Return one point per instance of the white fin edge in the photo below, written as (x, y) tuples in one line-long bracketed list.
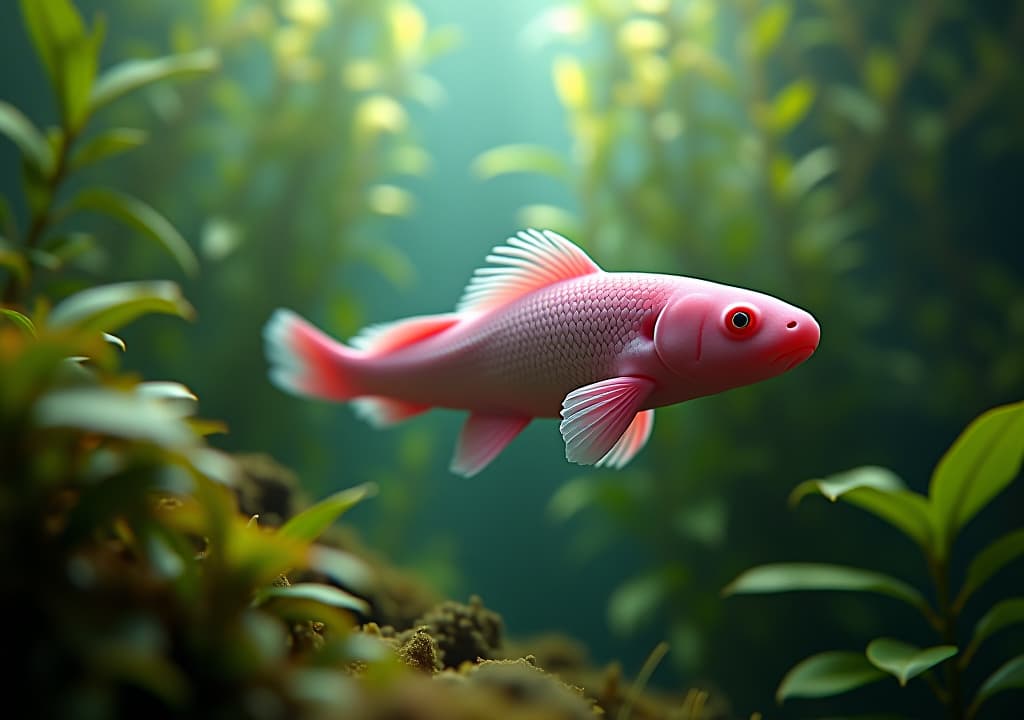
[(530, 260)]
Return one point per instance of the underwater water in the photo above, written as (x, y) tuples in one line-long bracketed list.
[(356, 161)]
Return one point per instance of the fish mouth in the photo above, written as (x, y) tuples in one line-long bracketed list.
[(791, 358)]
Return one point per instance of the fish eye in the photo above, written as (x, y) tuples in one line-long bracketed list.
[(740, 320)]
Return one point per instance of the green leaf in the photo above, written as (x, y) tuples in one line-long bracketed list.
[(105, 145), (984, 459), (1009, 676), (990, 561), (22, 321), (142, 217), (790, 577), (905, 661), (317, 592), (880, 492), (134, 74), (1002, 615), (768, 27), (636, 601), (309, 524), (117, 414), (105, 308), (826, 674), (69, 54), (790, 106), (520, 159), (52, 25), (342, 567), (26, 136)]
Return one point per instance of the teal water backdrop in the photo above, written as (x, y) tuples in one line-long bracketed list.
[(859, 160)]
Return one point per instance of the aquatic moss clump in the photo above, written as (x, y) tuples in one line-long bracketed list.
[(464, 633)]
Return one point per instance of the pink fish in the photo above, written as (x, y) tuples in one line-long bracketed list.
[(542, 331)]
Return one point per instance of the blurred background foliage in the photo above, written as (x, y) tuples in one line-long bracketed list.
[(861, 160)]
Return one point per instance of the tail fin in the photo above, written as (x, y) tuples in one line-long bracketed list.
[(305, 361)]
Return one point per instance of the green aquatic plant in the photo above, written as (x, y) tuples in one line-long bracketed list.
[(983, 461), (54, 159)]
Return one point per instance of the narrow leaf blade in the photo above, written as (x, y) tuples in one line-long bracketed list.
[(134, 74), (106, 145), (790, 577), (142, 217), (31, 143), (1009, 676), (522, 158), (1003, 614), (22, 321), (826, 674), (107, 307), (313, 521), (990, 561)]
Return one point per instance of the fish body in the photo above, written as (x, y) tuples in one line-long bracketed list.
[(544, 332)]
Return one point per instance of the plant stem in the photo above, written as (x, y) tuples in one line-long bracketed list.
[(41, 218), (947, 615)]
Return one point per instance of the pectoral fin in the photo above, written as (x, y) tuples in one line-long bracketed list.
[(631, 442), (596, 416), (482, 438)]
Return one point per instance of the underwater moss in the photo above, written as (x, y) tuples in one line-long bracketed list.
[(464, 632)]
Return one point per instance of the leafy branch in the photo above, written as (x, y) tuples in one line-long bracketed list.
[(982, 462), (69, 51)]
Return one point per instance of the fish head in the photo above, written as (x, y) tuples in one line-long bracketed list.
[(719, 337)]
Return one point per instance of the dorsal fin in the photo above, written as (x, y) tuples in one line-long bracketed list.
[(531, 260)]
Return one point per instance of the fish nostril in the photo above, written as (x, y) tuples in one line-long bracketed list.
[(791, 324)]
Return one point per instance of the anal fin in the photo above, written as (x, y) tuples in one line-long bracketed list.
[(595, 417), (483, 437)]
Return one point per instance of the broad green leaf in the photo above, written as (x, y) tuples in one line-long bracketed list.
[(826, 674), (520, 159), (317, 592), (26, 136), (790, 577), (1002, 615), (22, 321), (311, 523), (790, 106), (134, 74), (1009, 676), (880, 492), (904, 661), (80, 61), (107, 307), (990, 561), (981, 463), (767, 28), (143, 218), (117, 414), (105, 145)]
